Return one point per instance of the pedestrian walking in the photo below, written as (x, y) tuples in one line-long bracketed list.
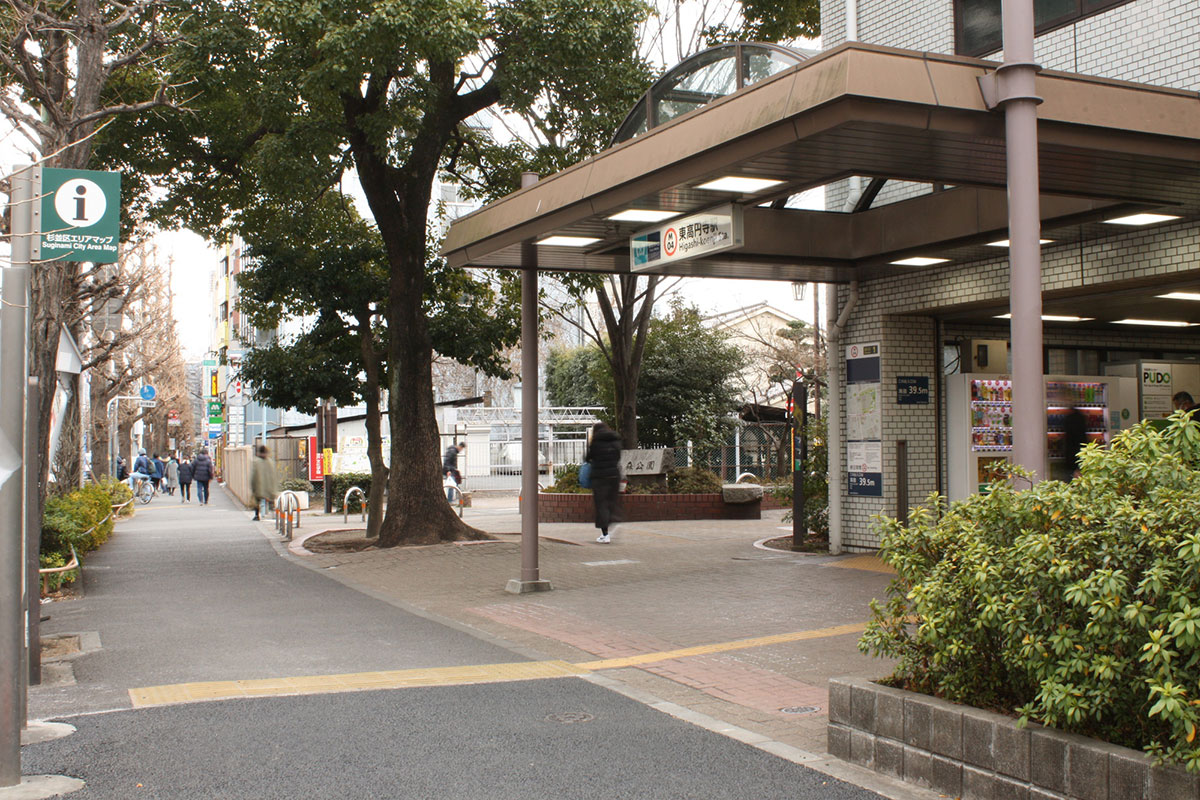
[(450, 462), (604, 454), (172, 475), (202, 473), (160, 472), (264, 481), (122, 469), (185, 481)]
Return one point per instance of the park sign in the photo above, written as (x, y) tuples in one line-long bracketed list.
[(79, 217)]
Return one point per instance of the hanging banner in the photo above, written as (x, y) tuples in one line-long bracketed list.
[(864, 421), (316, 464)]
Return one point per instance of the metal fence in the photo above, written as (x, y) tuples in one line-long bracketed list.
[(761, 449)]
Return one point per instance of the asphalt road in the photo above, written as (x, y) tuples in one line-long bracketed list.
[(197, 593)]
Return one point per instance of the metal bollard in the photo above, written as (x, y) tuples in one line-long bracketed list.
[(346, 504)]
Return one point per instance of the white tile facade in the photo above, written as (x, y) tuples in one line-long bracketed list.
[(1146, 41)]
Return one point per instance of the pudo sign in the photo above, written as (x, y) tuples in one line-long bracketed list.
[(79, 215)]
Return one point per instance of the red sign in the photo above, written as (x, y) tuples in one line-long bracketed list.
[(316, 464)]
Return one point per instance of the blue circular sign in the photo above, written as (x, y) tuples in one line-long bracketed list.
[(147, 392)]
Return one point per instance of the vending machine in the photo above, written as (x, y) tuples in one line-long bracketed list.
[(980, 422)]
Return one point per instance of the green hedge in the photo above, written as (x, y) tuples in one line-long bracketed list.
[(1075, 605), (688, 480), (82, 519), (342, 482)]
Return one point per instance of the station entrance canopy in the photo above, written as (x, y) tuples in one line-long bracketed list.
[(1105, 147)]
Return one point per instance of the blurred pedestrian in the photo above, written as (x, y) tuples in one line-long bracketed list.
[(264, 481), (202, 473), (172, 474), (604, 454), (450, 462), (160, 472)]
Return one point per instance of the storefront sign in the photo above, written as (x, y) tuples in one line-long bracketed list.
[(316, 464), (713, 231), (1157, 390), (912, 390), (864, 421), (80, 215)]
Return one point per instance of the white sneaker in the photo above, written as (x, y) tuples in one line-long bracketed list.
[(603, 539)]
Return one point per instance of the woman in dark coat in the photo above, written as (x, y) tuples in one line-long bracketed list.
[(604, 454), (185, 481)]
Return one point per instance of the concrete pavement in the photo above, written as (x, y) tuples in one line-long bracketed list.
[(685, 618)]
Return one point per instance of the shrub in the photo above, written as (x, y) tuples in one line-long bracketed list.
[(342, 483), (119, 494), (54, 580), (693, 480), (567, 481), (1076, 605), (296, 485)]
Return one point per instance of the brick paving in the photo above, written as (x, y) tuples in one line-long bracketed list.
[(659, 587)]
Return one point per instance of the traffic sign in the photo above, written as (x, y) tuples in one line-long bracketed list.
[(147, 392), (147, 403)]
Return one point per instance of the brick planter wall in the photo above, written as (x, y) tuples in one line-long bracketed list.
[(961, 751), (645, 507)]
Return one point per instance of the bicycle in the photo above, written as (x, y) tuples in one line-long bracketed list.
[(146, 491)]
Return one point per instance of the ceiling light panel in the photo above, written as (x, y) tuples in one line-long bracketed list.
[(739, 184), (643, 215), (1180, 296), (1161, 323), (1053, 318), (567, 241), (1141, 219), (1005, 242), (919, 261)]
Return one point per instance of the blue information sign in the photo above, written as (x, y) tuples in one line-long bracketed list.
[(912, 390)]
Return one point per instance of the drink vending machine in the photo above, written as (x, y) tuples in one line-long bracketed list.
[(979, 418)]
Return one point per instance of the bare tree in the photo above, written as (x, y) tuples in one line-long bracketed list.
[(58, 64)]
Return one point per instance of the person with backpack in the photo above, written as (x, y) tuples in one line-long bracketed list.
[(143, 470)]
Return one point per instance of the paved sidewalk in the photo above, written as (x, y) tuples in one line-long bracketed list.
[(629, 607)]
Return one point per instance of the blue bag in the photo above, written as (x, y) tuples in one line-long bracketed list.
[(585, 475)]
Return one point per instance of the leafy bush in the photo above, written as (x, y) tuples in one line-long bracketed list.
[(1076, 605), (567, 481), (342, 483), (693, 480), (54, 580), (119, 494), (296, 485)]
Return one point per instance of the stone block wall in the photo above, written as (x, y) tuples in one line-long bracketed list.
[(961, 751)]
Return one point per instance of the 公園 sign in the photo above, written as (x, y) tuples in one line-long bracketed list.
[(713, 231), (79, 217)]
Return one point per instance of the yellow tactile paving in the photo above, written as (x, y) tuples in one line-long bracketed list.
[(447, 676), (320, 684), (722, 647), (870, 563)]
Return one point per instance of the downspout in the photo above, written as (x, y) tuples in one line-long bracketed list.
[(855, 184), (834, 325)]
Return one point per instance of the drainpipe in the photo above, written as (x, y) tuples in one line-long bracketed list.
[(855, 182), (1012, 88), (835, 323)]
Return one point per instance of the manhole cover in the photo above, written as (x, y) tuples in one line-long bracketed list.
[(570, 717), (800, 709)]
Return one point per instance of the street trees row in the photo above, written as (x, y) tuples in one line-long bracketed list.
[(284, 99)]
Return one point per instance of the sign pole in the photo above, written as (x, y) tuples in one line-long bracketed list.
[(14, 327)]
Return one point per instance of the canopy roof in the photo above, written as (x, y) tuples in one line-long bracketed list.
[(1106, 147)]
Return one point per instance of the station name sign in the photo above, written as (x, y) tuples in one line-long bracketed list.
[(702, 234)]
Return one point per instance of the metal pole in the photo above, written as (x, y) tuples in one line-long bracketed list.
[(14, 328), (799, 457), (530, 580), (1016, 78), (33, 546)]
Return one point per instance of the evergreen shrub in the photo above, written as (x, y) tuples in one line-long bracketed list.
[(1075, 605)]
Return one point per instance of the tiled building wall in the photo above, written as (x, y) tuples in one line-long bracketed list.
[(886, 311)]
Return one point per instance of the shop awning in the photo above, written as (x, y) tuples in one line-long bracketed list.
[(1106, 147)]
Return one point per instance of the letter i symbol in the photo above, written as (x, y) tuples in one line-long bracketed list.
[(80, 202)]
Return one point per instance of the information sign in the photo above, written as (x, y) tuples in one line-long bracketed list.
[(80, 215), (912, 390), (864, 421)]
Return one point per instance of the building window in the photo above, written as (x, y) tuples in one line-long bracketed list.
[(977, 22)]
